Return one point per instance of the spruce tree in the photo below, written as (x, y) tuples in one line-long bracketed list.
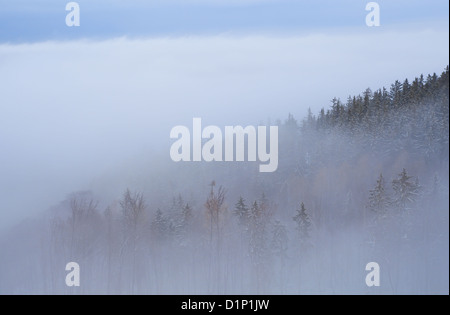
[(405, 189), (303, 223), (161, 226), (258, 242), (378, 197), (185, 222), (186, 215), (241, 211)]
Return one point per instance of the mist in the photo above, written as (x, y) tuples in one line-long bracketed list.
[(92, 107), (86, 174)]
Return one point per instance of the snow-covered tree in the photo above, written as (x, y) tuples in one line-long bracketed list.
[(161, 226), (406, 190), (241, 211)]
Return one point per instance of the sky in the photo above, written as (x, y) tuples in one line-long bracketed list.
[(77, 103), (40, 20)]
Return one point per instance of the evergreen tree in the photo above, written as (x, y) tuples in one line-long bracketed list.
[(161, 226), (258, 234), (378, 197), (186, 215), (241, 211), (405, 189), (184, 225), (303, 223)]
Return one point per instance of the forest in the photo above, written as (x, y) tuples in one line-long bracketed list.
[(364, 180)]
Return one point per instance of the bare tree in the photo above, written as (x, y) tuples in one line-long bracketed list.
[(215, 211), (133, 214), (82, 222)]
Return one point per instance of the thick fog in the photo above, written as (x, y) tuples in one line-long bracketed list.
[(73, 112), (82, 122)]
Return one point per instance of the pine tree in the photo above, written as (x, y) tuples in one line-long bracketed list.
[(161, 226), (258, 236), (303, 223), (241, 211), (395, 94), (186, 215), (259, 242), (405, 189), (184, 225), (378, 197)]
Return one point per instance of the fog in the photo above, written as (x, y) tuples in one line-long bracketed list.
[(75, 111), (83, 121)]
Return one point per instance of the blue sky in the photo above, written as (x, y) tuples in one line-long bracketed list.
[(40, 20)]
